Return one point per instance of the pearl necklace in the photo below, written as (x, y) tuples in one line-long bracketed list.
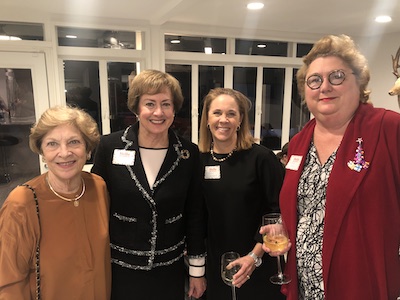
[(75, 200), (220, 159)]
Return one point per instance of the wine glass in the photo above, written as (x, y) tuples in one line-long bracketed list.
[(276, 239), (227, 274)]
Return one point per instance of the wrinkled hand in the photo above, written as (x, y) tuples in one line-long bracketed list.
[(263, 230), (197, 286), (245, 271)]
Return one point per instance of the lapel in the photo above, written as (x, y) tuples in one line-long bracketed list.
[(130, 138), (344, 182), (298, 146), (172, 158), (301, 146)]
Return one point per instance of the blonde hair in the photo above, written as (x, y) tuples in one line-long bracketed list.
[(60, 115), (244, 137), (153, 82), (343, 47)]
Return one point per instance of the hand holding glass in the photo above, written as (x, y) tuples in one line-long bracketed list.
[(276, 239), (228, 272)]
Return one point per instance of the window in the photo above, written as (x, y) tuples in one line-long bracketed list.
[(96, 38), (272, 107), (244, 80), (299, 114), (21, 31), (264, 48), (119, 75), (195, 44), (303, 49), (183, 119)]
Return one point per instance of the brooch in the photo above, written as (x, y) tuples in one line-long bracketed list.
[(359, 162), (185, 154)]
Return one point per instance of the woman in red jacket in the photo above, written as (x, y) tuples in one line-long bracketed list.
[(341, 194)]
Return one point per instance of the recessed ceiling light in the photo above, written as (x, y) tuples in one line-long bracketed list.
[(69, 36), (255, 5), (383, 19)]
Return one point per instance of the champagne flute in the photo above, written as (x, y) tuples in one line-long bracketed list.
[(227, 274), (276, 239)]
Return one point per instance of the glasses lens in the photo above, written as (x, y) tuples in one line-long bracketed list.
[(314, 81), (336, 77)]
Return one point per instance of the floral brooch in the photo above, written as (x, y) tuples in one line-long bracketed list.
[(185, 154)]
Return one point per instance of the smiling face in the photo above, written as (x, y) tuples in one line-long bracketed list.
[(156, 114), (224, 119), (332, 102), (64, 151)]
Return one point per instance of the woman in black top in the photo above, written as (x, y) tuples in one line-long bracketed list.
[(241, 182), (153, 177)]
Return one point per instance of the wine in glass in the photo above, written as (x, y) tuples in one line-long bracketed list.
[(276, 239), (228, 272)]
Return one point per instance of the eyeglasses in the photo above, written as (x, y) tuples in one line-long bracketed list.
[(336, 77)]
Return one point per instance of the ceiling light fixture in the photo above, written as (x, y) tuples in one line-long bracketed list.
[(207, 50), (255, 5), (383, 19), (261, 45), (70, 36)]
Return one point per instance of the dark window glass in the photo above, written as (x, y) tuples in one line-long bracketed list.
[(17, 115), (264, 48), (299, 114), (210, 77), (21, 31), (244, 80), (95, 38), (272, 107), (119, 76), (194, 44), (82, 88), (303, 49), (183, 119)]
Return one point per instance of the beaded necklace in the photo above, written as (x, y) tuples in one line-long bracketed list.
[(220, 159), (75, 200)]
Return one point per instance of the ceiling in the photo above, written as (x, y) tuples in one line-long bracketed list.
[(352, 17)]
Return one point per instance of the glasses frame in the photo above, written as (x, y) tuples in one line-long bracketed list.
[(330, 78)]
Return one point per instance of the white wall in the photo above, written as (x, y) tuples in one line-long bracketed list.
[(378, 51)]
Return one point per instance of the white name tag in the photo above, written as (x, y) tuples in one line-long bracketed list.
[(123, 157), (294, 162), (212, 172)]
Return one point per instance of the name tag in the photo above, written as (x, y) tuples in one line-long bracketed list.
[(212, 172), (294, 162), (123, 157)]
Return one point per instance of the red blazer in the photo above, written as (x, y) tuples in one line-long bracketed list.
[(361, 242)]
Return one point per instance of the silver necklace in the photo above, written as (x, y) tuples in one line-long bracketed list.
[(75, 200), (220, 159)]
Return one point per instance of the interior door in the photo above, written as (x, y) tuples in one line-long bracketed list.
[(23, 98)]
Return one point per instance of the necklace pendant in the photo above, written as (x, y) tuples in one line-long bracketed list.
[(76, 203)]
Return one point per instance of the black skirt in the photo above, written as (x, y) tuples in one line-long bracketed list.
[(166, 283)]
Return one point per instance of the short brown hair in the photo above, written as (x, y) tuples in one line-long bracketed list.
[(60, 115), (153, 82)]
